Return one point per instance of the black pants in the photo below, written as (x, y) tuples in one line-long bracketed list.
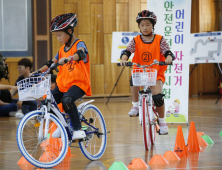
[(75, 92)]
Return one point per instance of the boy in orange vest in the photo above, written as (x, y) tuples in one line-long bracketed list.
[(73, 79), (157, 48)]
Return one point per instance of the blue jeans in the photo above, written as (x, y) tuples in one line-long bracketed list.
[(27, 106), (75, 92), (4, 110)]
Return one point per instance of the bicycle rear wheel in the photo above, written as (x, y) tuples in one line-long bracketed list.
[(39, 151), (145, 124), (95, 144)]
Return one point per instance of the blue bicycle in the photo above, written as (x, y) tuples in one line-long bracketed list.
[(34, 129)]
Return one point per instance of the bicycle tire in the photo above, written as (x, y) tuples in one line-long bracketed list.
[(41, 153), (152, 127), (91, 111), (145, 124)]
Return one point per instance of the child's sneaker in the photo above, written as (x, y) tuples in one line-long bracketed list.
[(134, 111), (163, 129), (79, 134), (56, 133)]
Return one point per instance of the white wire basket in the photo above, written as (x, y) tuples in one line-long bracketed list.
[(144, 78), (33, 88)]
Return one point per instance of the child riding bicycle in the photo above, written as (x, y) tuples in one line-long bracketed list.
[(146, 48), (73, 79)]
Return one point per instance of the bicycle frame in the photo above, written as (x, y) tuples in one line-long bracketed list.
[(51, 104)]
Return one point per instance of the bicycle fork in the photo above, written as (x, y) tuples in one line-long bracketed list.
[(45, 116)]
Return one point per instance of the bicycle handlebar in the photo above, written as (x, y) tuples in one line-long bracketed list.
[(52, 67), (161, 63)]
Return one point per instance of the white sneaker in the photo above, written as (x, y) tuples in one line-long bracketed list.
[(134, 111), (163, 129), (56, 133), (79, 134), (19, 114), (12, 113)]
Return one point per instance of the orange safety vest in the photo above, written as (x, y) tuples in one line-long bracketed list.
[(145, 53), (73, 73)]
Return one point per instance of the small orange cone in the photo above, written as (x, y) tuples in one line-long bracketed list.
[(137, 163), (202, 142), (180, 147), (158, 159), (199, 134), (192, 143), (24, 164), (171, 156)]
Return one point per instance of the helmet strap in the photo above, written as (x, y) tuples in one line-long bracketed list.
[(70, 37)]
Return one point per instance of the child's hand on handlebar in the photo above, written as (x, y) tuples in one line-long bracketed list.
[(63, 60), (123, 62), (168, 60)]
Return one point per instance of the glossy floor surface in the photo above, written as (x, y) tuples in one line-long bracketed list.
[(125, 142)]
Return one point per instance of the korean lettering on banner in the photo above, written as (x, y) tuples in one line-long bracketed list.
[(179, 40), (168, 5)]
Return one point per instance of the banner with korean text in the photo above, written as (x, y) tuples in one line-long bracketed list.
[(173, 22)]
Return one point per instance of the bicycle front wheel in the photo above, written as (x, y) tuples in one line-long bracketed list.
[(145, 124), (40, 151), (95, 144), (153, 126)]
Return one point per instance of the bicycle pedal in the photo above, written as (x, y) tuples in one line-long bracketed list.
[(134, 115)]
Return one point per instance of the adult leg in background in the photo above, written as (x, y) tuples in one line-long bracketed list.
[(4, 110)]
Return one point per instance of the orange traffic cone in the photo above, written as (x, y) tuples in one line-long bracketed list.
[(69, 153), (192, 143), (24, 164), (137, 163), (171, 156), (199, 134), (180, 147)]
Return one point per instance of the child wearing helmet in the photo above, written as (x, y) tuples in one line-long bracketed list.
[(73, 79), (146, 48)]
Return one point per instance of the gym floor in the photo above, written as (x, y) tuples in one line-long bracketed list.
[(125, 142)]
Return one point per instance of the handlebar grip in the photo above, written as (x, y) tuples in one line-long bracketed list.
[(162, 63), (127, 64), (66, 61)]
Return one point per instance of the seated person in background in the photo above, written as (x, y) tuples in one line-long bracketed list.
[(6, 104), (24, 68)]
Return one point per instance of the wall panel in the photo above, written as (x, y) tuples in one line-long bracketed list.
[(134, 8), (109, 16), (84, 16), (97, 34), (122, 17), (97, 82)]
